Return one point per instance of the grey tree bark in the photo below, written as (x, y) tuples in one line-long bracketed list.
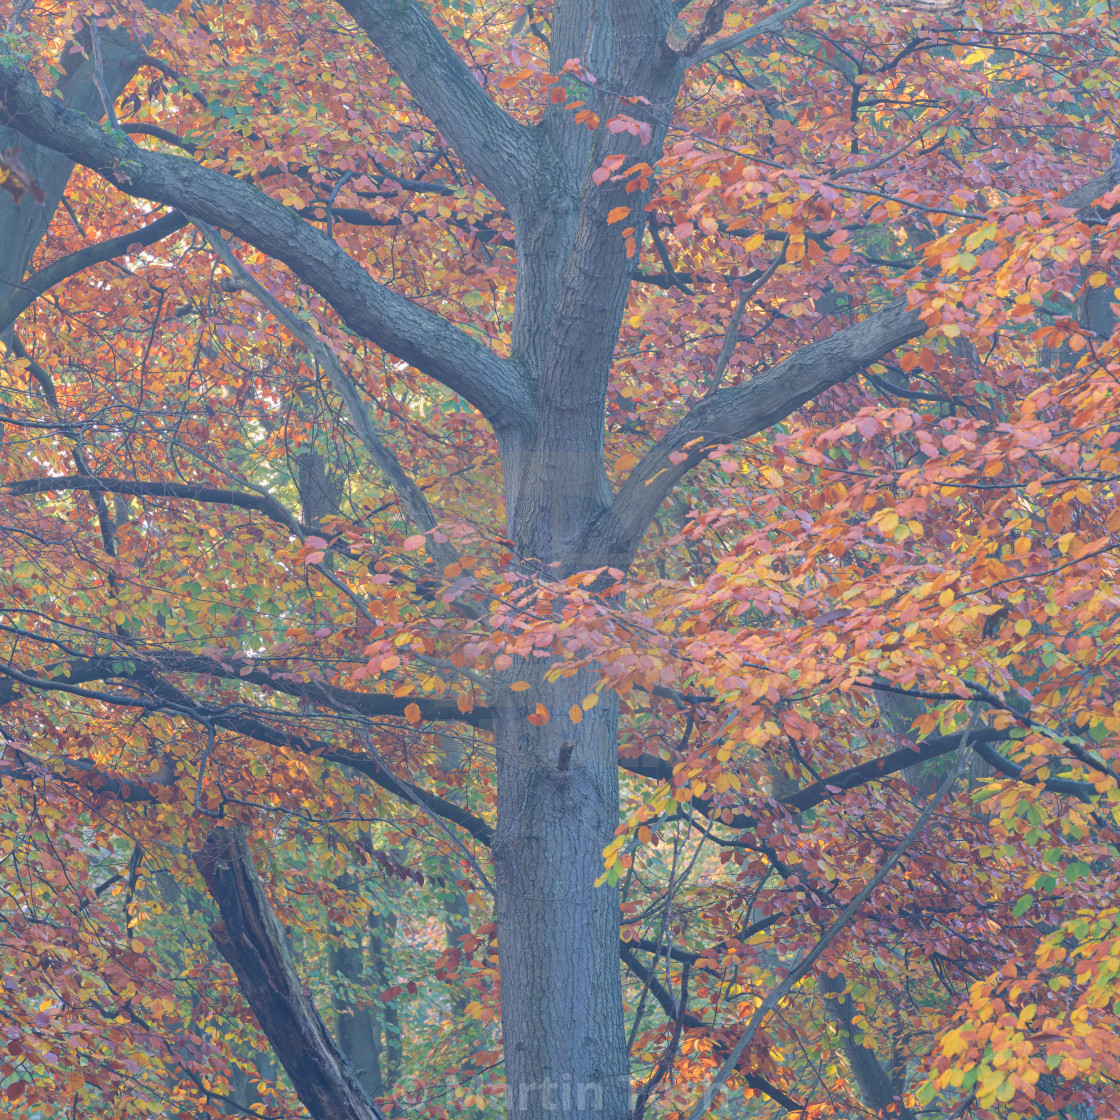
[(562, 1020)]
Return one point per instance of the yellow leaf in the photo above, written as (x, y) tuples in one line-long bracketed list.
[(1098, 280), (589, 702), (1023, 627)]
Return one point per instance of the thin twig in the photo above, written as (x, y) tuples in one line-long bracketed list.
[(732, 336), (99, 75)]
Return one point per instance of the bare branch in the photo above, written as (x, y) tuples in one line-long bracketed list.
[(736, 413), (342, 700), (186, 490)]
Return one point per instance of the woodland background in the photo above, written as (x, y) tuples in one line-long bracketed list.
[(674, 444)]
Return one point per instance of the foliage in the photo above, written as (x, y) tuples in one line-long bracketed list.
[(222, 606)]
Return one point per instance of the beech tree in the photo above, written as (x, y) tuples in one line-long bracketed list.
[(417, 414)]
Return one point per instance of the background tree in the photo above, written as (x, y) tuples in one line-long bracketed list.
[(438, 451)]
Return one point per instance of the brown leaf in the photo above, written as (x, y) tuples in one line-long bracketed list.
[(16, 180)]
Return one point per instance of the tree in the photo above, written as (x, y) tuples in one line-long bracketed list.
[(439, 449)]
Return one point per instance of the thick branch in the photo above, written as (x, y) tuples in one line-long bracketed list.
[(80, 772), (370, 309), (491, 144), (1083, 791), (1084, 198), (45, 279), (341, 700), (253, 942), (736, 413), (752, 407), (81, 86), (879, 768), (874, 770)]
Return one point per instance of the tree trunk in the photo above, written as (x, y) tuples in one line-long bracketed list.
[(562, 1023), (356, 1028), (252, 940), (557, 779)]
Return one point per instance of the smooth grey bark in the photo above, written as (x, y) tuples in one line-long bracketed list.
[(562, 1020), (370, 309), (557, 780)]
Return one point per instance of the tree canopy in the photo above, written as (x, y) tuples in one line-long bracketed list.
[(559, 559)]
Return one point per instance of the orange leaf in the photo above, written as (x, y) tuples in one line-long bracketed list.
[(540, 717), (412, 713), (617, 214), (575, 713), (519, 686)]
